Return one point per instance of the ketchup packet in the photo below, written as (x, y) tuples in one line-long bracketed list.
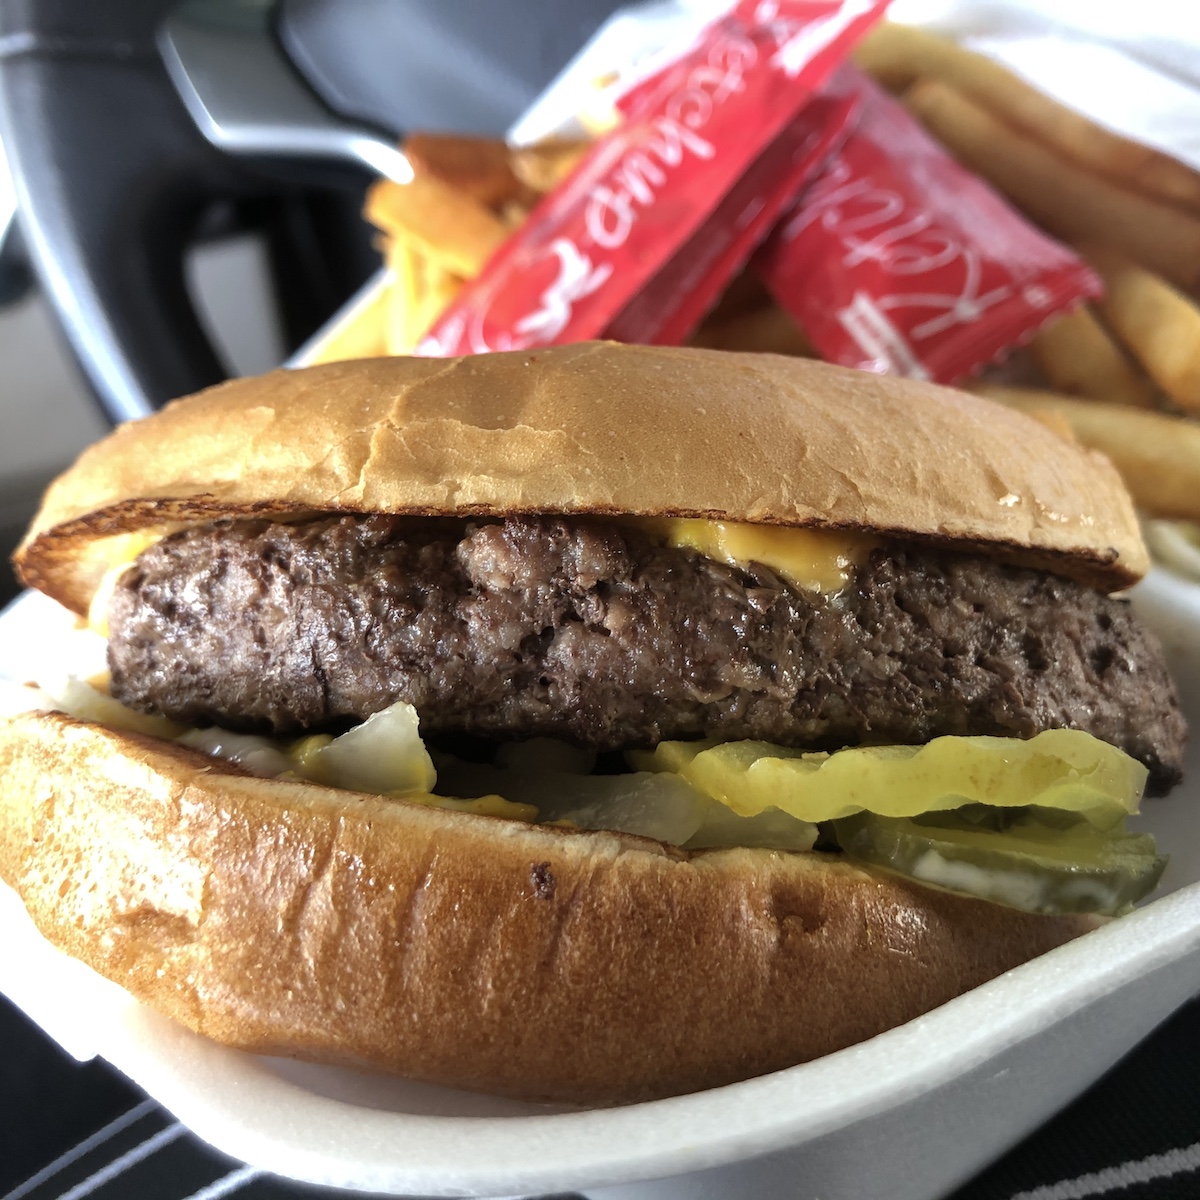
[(643, 191), (900, 260), (675, 301)]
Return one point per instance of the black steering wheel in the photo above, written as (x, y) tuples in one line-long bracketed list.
[(114, 180)]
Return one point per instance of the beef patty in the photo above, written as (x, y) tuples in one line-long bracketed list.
[(592, 632)]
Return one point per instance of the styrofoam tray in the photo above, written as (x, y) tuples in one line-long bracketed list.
[(905, 1116), (934, 1100)]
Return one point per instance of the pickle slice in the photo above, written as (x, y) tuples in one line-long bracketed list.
[(1061, 768), (1023, 862)]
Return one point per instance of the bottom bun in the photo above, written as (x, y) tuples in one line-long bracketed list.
[(591, 968)]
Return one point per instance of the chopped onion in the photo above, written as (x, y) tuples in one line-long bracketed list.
[(258, 755), (658, 805), (79, 699), (383, 754)]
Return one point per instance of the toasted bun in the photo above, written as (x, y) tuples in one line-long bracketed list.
[(597, 428), (287, 918)]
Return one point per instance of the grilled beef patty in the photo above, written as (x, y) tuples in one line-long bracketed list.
[(593, 633)]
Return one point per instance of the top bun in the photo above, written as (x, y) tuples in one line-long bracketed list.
[(596, 428)]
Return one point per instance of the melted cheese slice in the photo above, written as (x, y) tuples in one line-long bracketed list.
[(818, 560), (120, 551)]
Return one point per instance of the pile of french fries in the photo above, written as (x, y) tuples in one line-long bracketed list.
[(1123, 374), (437, 232), (466, 197)]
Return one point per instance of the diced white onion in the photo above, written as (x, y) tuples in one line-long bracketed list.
[(383, 754), (258, 755), (658, 805), (79, 699)]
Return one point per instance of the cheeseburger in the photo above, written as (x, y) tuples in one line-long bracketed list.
[(589, 725)]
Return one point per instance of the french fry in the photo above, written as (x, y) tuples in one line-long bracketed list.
[(1160, 327), (477, 167), (896, 56), (360, 332), (769, 330), (1055, 421), (441, 288), (456, 232), (421, 291), (899, 55), (1078, 357), (405, 298), (1175, 544), (514, 214), (1158, 455), (1055, 192), (544, 166)]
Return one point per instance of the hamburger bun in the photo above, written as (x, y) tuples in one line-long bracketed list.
[(597, 428), (547, 963)]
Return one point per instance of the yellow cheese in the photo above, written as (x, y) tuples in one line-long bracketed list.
[(304, 752), (819, 560), (120, 551), (483, 806)]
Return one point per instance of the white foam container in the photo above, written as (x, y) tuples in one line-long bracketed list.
[(905, 1116)]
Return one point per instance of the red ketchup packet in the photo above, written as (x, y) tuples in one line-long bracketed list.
[(675, 301), (643, 191), (899, 260)]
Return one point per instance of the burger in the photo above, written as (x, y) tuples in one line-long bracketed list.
[(588, 725)]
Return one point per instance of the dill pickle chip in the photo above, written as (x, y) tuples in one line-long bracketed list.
[(1062, 769), (1021, 862)]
